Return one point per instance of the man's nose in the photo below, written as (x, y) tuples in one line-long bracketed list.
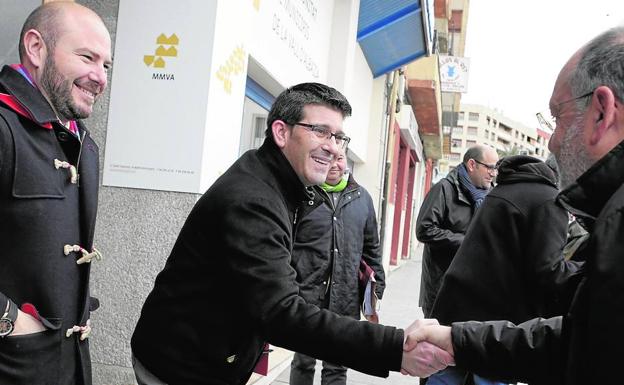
[(99, 75), (331, 146)]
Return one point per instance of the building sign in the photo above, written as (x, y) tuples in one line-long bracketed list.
[(159, 94), (291, 38), (454, 73)]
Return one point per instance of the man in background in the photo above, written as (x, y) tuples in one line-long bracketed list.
[(446, 213), (333, 237), (510, 265)]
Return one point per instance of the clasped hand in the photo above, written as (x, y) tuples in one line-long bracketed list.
[(427, 348)]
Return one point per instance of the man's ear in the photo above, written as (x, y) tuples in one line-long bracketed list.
[(35, 50), (281, 133), (470, 165), (603, 114)]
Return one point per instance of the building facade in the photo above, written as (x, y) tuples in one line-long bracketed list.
[(190, 91), (481, 125)]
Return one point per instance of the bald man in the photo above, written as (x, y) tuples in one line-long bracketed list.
[(446, 213), (48, 195), (583, 346)]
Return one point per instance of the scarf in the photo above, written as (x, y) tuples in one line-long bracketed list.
[(477, 194), (337, 188)]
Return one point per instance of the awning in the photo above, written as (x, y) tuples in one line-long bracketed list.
[(393, 33)]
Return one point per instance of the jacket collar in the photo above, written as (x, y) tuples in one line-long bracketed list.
[(454, 179), (351, 187), (289, 183), (28, 96), (589, 194)]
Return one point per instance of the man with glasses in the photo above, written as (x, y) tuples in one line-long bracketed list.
[(584, 345), (446, 213), (228, 286), (332, 239), (510, 265)]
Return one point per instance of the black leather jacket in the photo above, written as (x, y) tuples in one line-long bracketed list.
[(442, 221)]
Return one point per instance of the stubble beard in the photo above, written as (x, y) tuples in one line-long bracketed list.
[(58, 89), (573, 159)]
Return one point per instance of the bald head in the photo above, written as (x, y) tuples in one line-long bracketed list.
[(49, 19), (477, 152), (480, 162), (587, 103), (66, 49)]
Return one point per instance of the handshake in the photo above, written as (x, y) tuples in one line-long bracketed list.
[(427, 348)]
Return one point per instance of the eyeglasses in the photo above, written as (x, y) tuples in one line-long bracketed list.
[(547, 121), (324, 132), (490, 168)]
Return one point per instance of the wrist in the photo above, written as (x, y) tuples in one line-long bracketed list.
[(8, 318)]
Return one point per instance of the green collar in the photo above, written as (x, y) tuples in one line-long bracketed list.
[(337, 188)]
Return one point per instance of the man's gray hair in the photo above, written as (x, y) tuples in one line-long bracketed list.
[(601, 64)]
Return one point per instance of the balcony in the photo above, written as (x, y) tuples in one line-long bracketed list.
[(423, 86)]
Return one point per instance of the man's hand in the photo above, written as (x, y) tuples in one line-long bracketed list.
[(374, 318), (432, 333), (424, 360), (421, 358), (26, 324)]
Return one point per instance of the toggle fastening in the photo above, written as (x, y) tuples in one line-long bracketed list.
[(73, 173), (86, 256), (85, 331)]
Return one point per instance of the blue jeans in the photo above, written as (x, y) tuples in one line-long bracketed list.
[(455, 376)]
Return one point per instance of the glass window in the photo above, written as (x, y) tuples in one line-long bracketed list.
[(473, 117), (473, 131), (253, 127)]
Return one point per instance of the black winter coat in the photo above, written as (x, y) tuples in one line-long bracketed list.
[(510, 265), (228, 287), (584, 348), (331, 241), (442, 221), (40, 213)]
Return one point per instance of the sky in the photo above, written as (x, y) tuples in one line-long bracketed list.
[(517, 48)]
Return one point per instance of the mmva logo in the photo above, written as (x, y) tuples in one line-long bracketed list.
[(157, 60)]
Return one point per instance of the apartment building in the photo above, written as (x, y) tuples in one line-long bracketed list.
[(478, 124)]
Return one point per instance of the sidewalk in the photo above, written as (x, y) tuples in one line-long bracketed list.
[(398, 308)]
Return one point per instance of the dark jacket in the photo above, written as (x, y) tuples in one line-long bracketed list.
[(228, 287), (586, 347), (442, 221), (330, 242), (40, 213), (510, 265)]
